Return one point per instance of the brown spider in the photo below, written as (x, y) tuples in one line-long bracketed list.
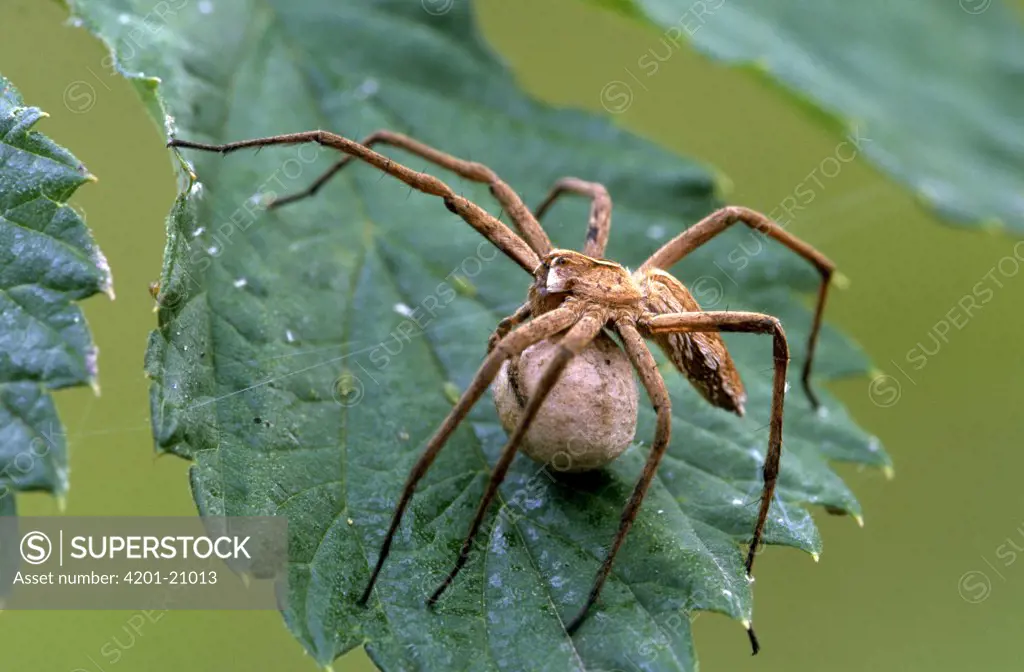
[(573, 297)]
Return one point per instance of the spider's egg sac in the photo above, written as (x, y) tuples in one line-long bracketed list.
[(588, 417)]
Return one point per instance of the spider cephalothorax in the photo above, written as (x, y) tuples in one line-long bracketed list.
[(575, 298), (565, 273)]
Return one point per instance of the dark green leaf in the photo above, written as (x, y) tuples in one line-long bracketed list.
[(287, 368), (48, 261), (936, 87)]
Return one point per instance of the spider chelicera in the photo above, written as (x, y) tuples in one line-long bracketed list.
[(573, 298)]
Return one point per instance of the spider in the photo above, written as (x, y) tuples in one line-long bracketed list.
[(573, 298)]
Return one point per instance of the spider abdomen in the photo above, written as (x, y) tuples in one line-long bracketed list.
[(701, 356), (589, 416)]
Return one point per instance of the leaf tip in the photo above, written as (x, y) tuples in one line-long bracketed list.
[(841, 280), (723, 184), (889, 472), (815, 556), (859, 519)]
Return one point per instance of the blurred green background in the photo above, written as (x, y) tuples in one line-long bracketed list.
[(930, 583)]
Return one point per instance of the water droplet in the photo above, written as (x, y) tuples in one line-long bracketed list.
[(403, 310), (76, 22), (205, 7), (289, 335), (933, 189), (726, 592), (661, 511), (369, 87), (213, 250), (198, 232), (873, 444), (823, 412), (737, 501), (123, 19), (656, 232), (240, 282), (498, 544)]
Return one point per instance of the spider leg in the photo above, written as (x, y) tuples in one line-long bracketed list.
[(647, 368), (543, 327), (574, 341), (524, 220), (500, 235), (506, 325), (750, 323), (757, 323), (600, 223), (319, 182), (718, 221)]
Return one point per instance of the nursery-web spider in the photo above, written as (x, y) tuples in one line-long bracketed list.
[(573, 297)]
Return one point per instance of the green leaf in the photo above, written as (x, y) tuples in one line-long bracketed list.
[(48, 261), (304, 355), (936, 87)]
